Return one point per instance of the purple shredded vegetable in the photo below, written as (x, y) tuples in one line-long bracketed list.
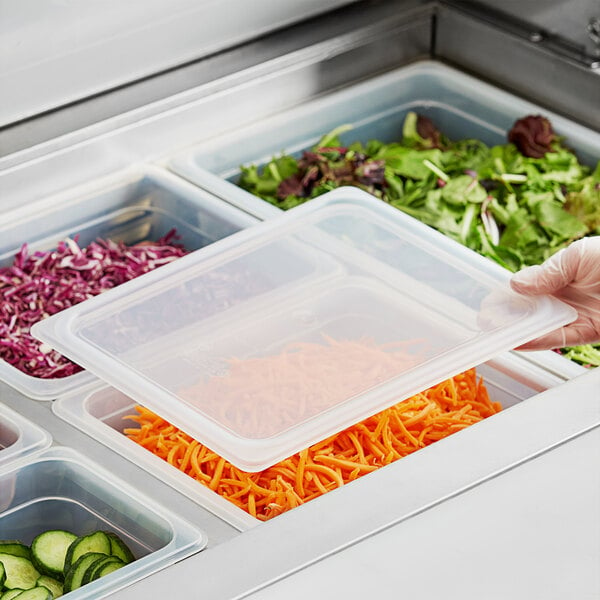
[(40, 284)]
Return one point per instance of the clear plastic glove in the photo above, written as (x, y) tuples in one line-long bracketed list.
[(573, 276)]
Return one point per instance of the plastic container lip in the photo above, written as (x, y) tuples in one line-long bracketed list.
[(119, 206), (100, 412), (91, 410), (19, 437), (449, 312), (95, 499)]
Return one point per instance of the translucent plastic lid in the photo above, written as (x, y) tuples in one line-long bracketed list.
[(276, 337)]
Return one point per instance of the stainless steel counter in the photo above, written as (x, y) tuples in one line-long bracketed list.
[(532, 532)]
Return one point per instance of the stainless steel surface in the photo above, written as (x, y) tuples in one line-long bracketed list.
[(594, 33), (543, 31), (565, 19), (531, 533), (59, 52), (323, 52), (290, 66), (537, 68), (373, 504), (54, 52)]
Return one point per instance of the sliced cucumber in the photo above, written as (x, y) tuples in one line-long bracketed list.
[(55, 586), (90, 573), (49, 549), (10, 594), (119, 548), (107, 568), (36, 593), (20, 572), (16, 548), (58, 562), (94, 542), (75, 574)]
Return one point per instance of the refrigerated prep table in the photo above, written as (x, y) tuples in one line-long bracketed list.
[(507, 508)]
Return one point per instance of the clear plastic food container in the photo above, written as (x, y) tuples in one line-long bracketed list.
[(143, 203), (60, 489), (19, 436), (258, 373), (460, 105), (101, 413)]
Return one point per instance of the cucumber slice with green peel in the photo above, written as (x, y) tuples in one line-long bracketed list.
[(107, 569), (2, 575), (10, 594), (14, 547), (20, 572), (90, 573), (49, 549), (36, 593), (119, 548), (74, 575), (94, 542), (55, 586)]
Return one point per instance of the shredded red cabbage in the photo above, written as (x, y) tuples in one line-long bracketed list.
[(40, 284)]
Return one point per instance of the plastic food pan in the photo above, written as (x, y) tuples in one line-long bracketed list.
[(143, 203), (19, 437), (59, 489), (100, 413), (460, 105)]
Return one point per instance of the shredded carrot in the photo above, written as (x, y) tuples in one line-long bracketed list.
[(381, 439), (246, 397)]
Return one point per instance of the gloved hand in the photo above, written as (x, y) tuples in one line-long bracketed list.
[(573, 276)]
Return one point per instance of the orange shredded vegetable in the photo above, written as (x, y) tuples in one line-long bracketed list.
[(379, 440)]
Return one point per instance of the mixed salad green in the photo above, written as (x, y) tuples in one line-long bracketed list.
[(516, 203)]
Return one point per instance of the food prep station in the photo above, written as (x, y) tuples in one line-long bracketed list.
[(506, 508)]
